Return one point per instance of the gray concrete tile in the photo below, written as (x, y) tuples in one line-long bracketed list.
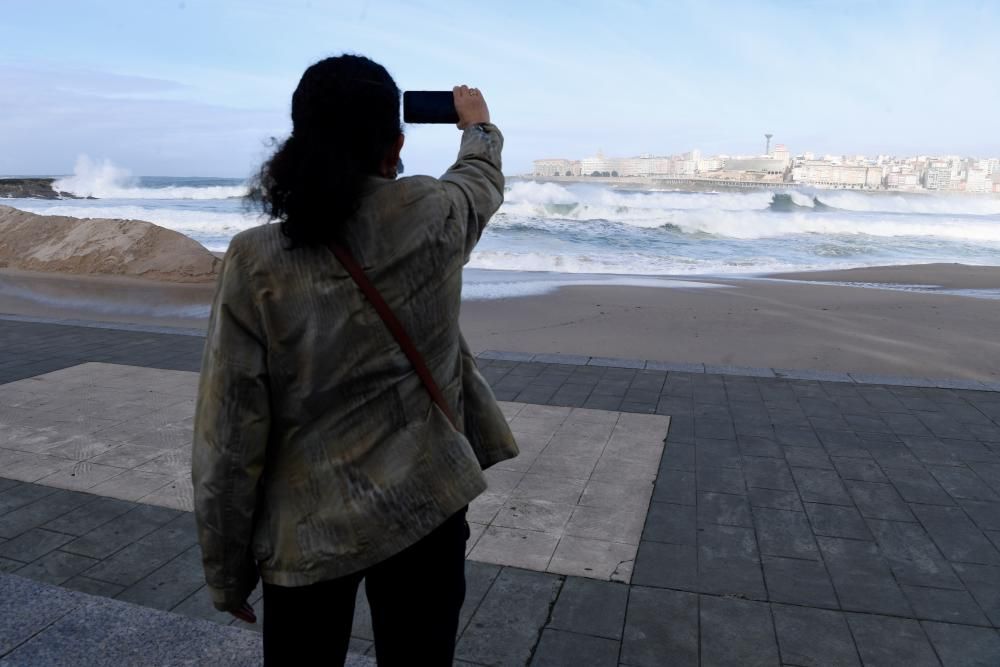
[(807, 457), (661, 628), (557, 648), (983, 582), (505, 356), (39, 512), (814, 637), (92, 586), (985, 514), (837, 521), (509, 620), (32, 544), (113, 535), (861, 577), (8, 484), (677, 456), (666, 566), (879, 501), (768, 473), (708, 427), (962, 645), (675, 366), (820, 486), (720, 480), (567, 359), (773, 499), (759, 446), (90, 516), (736, 632), (170, 584), (963, 483), (916, 485), (784, 533), (955, 535), (22, 494), (912, 555), (717, 453), (617, 362), (590, 607), (800, 582), (675, 486), (948, 606), (8, 565), (731, 578), (672, 523), (724, 509), (882, 640), (55, 567)]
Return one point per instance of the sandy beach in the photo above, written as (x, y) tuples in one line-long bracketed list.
[(768, 323), (783, 321)]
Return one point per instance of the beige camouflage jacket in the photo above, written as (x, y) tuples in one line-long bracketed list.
[(317, 450)]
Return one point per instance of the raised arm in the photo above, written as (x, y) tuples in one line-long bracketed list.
[(475, 182), (232, 423)]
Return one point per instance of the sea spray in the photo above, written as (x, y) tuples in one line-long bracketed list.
[(590, 228), (104, 180)]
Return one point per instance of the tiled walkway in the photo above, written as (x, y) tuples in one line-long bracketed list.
[(794, 522)]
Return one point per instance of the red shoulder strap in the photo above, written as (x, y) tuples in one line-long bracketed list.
[(395, 327)]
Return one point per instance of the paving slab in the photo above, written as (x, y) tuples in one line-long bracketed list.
[(896, 487), (575, 501)]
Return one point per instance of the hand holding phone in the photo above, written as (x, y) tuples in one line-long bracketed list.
[(471, 106), (462, 105)]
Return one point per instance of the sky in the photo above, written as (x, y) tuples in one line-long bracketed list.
[(197, 87)]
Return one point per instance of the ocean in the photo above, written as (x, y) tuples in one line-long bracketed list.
[(558, 233)]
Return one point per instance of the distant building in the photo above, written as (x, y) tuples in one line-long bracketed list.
[(978, 180), (759, 165), (556, 167), (938, 178), (825, 174)]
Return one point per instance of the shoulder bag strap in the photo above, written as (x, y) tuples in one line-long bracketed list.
[(395, 327)]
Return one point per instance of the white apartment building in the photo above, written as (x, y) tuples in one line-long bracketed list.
[(978, 180), (938, 177), (829, 175), (556, 167), (597, 164)]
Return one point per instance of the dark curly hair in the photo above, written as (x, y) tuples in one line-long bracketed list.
[(345, 118)]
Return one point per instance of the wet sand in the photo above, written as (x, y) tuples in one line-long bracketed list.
[(740, 321), (946, 276), (105, 299)]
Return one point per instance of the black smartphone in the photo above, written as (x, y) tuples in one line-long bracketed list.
[(429, 106)]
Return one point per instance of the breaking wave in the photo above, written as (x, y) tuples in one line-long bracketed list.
[(104, 180)]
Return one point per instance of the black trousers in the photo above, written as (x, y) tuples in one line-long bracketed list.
[(415, 599)]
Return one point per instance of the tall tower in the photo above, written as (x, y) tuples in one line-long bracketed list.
[(767, 146)]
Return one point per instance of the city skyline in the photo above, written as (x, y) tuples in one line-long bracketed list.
[(780, 166), (196, 88)]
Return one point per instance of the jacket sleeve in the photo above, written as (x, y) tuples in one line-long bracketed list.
[(474, 184), (231, 428)]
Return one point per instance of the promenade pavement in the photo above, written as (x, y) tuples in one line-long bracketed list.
[(784, 521)]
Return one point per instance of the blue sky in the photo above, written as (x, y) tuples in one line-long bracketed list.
[(194, 87)]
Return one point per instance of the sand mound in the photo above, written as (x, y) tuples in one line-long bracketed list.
[(97, 246)]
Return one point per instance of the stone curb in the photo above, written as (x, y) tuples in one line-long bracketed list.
[(745, 371)]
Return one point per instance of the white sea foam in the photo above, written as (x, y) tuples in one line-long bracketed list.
[(549, 206), (646, 264), (483, 285), (104, 180), (937, 204)]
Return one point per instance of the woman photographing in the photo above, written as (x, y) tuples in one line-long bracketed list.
[(321, 457)]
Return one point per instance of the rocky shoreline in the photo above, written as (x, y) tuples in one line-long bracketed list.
[(32, 188)]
